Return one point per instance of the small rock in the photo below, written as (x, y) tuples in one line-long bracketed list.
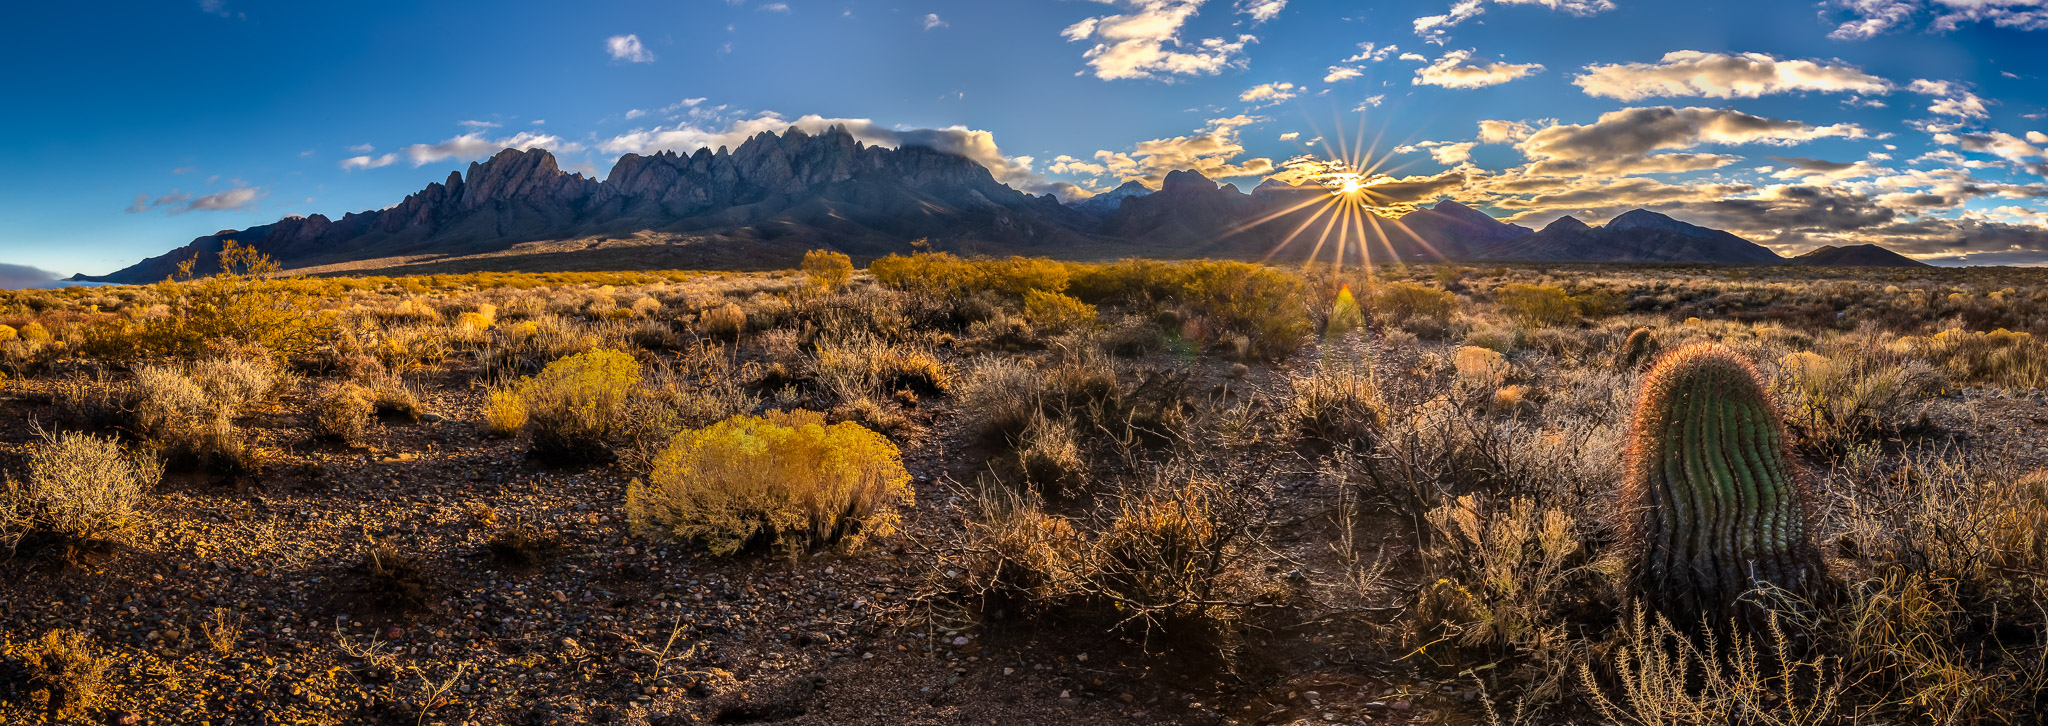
[(432, 418)]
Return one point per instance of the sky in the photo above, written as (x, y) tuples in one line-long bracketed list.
[(1918, 124)]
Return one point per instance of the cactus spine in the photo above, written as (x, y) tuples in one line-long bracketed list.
[(1712, 502)]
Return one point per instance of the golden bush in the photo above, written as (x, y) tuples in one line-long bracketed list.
[(342, 412), (1052, 312), (504, 412), (785, 478), (577, 407), (725, 321), (826, 269)]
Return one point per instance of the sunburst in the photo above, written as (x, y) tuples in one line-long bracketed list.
[(1355, 216)]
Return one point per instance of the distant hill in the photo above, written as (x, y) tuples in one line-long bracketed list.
[(778, 195), (1855, 256), (1636, 236)]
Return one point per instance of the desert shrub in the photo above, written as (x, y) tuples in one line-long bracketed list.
[(1538, 304), (98, 401), (81, 488), (1504, 577), (786, 478), (248, 303), (1836, 403), (176, 413), (1178, 558), (576, 408), (234, 384), (1048, 458), (826, 269), (8, 333), (1017, 557), (1668, 676), (393, 577), (725, 321), (1337, 405), (943, 275), (1267, 305), (860, 365), (504, 412), (1000, 395), (2000, 357), (342, 411), (69, 674), (1052, 312), (1480, 369), (1400, 302)]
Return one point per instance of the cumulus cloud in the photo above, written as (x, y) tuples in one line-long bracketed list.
[(1722, 75), (1435, 27), (1145, 41), (1269, 93), (933, 22), (1261, 10), (1373, 53), (477, 146), (13, 277), (1213, 151), (177, 202), (1340, 73), (1634, 132), (1501, 132), (1951, 99), (1866, 19), (775, 8), (627, 48), (1453, 70), (368, 162)]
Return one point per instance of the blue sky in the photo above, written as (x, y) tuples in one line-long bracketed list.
[(1916, 123)]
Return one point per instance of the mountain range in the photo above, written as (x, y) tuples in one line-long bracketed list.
[(765, 203)]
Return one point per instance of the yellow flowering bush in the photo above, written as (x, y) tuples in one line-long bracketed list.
[(577, 406), (827, 269), (1053, 312), (785, 478)]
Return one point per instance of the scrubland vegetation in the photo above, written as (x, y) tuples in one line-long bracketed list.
[(946, 490)]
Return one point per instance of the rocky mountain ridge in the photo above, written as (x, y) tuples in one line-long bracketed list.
[(776, 195)]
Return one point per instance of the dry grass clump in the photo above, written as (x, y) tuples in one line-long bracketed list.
[(67, 674), (785, 478), (504, 412), (1480, 369), (79, 488), (1837, 403), (393, 577), (192, 417), (1337, 405), (1001, 396), (1668, 676), (725, 321), (343, 412), (1048, 457), (861, 365)]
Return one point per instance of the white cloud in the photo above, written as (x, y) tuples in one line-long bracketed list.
[(1953, 99), (1501, 132), (1371, 53), (368, 162), (1212, 152), (1341, 73), (932, 22), (1870, 18), (362, 148), (1290, 136), (1434, 27), (627, 48), (1452, 71), (634, 113), (176, 202), (1261, 10), (2037, 137), (1722, 75), (1144, 42), (1370, 102), (1269, 93), (1443, 152), (479, 125), (775, 8), (476, 146)]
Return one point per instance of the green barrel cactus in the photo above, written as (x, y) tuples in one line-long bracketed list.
[(1713, 506)]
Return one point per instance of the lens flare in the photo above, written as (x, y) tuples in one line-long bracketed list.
[(1356, 221)]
